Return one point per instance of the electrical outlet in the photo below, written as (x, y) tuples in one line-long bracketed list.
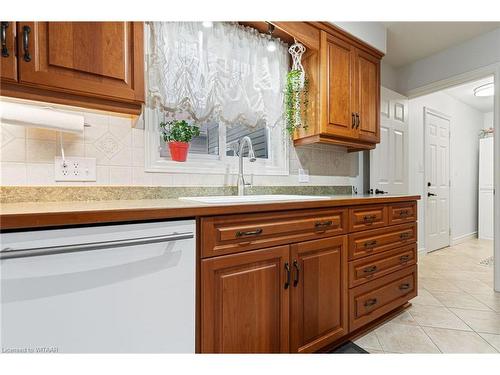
[(75, 169), (303, 175)]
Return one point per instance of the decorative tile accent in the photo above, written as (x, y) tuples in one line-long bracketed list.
[(108, 144), (5, 136)]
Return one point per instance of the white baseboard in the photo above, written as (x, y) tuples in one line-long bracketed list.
[(463, 238)]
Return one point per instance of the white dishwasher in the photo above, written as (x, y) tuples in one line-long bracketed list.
[(102, 289)]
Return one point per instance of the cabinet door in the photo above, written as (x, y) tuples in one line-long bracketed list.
[(367, 96), (319, 293), (8, 60), (244, 302), (99, 59), (337, 88)]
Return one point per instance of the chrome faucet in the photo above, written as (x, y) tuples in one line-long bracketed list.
[(251, 155)]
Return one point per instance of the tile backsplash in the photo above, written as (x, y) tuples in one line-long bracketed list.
[(27, 158)]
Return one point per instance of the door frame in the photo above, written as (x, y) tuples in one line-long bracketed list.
[(429, 111), (489, 70)]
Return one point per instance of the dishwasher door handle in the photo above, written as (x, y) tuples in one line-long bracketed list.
[(11, 253)]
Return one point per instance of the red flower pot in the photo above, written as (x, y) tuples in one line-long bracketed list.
[(178, 150)]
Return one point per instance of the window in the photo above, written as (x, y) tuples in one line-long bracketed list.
[(226, 81)]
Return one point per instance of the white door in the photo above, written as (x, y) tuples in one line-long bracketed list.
[(389, 160), (486, 185), (437, 180)]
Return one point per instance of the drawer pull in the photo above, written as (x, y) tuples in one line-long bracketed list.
[(404, 258), (404, 286), (403, 213), (371, 302), (404, 236), (370, 244), (369, 218), (249, 233), (287, 269), (26, 49), (321, 224), (370, 269), (296, 280), (5, 49)]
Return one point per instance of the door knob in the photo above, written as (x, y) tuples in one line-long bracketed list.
[(431, 195)]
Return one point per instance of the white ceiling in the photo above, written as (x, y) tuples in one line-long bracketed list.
[(410, 41), (465, 93)]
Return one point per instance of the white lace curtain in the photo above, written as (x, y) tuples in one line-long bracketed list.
[(224, 73)]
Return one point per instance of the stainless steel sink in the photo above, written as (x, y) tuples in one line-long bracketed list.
[(253, 198)]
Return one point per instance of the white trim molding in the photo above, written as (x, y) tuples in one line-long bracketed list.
[(463, 238)]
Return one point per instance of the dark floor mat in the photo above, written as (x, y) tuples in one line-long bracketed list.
[(349, 348)]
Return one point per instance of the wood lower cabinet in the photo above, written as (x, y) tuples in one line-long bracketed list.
[(245, 302), (319, 308), (91, 64), (300, 281), (8, 60)]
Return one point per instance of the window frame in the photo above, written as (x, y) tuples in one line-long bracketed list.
[(277, 163)]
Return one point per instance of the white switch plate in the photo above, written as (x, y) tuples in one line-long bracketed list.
[(75, 169), (303, 175)]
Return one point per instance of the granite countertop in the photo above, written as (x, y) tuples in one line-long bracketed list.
[(24, 215)]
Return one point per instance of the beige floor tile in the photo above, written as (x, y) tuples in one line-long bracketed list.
[(494, 340), (369, 342), (453, 341), (401, 338), (442, 285), (472, 286), (439, 317), (459, 300), (480, 321), (424, 297), (404, 318), (492, 300), (375, 351)]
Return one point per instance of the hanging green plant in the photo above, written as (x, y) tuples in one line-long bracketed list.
[(296, 100)]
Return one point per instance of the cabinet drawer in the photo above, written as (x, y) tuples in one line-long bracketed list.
[(236, 233), (367, 217), (376, 266), (376, 298), (378, 240), (400, 213)]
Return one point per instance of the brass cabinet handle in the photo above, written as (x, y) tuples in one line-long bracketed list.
[(404, 236), (371, 302), (26, 32), (287, 269), (404, 286), (370, 269), (297, 268), (321, 224), (255, 232), (357, 120), (5, 49), (369, 218), (404, 258), (370, 243), (404, 213)]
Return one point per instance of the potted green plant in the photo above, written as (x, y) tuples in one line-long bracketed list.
[(177, 134)]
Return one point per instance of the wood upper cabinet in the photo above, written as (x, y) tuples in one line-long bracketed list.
[(244, 302), (367, 92), (89, 64), (338, 68), (348, 91), (319, 304), (9, 54)]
